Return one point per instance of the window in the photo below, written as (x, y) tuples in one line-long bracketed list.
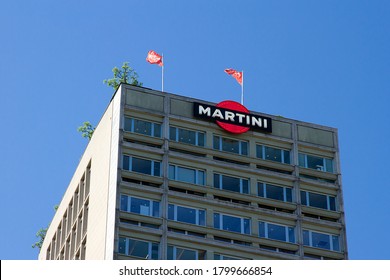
[(229, 183), (274, 154), (142, 127), (230, 145), (317, 163), (140, 165), (276, 232), (186, 136), (232, 223), (186, 215), (140, 206), (317, 200), (187, 175), (274, 192), (223, 257), (176, 253), (137, 248), (321, 240)]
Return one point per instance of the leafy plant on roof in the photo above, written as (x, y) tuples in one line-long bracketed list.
[(41, 234), (126, 75), (86, 130)]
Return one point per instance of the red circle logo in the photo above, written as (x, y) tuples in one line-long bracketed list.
[(234, 106)]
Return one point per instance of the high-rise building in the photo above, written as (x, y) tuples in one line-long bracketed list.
[(170, 177)]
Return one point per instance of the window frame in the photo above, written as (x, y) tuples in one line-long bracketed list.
[(240, 145), (197, 172), (322, 168), (264, 190), (328, 202), (152, 166), (150, 248), (282, 154), (197, 214), (151, 205), (242, 223), (241, 186), (176, 137), (286, 231), (174, 252), (330, 236), (153, 129)]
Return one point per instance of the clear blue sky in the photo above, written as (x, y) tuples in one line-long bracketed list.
[(326, 62)]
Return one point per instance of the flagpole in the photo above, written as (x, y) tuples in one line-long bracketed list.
[(242, 89), (162, 73)]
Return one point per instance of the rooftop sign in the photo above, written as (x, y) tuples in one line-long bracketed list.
[(232, 117)]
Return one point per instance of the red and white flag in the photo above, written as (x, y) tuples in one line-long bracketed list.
[(235, 74), (154, 58)]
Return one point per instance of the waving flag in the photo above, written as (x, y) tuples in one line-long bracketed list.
[(235, 74), (154, 58)]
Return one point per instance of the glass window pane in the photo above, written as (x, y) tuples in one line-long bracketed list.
[(155, 251), (186, 215), (277, 232), (216, 221), (259, 151), (187, 136), (318, 200), (138, 248), (245, 186), (247, 226), (332, 203), (122, 245), (286, 157), (157, 130), (202, 217), (320, 240), (186, 175), (216, 181), (171, 172), (201, 139), (262, 229), (288, 195), (126, 163), (124, 202), (201, 178), (142, 127), (157, 171), (140, 206), (171, 212), (336, 243), (170, 253), (216, 142), (244, 148), (291, 235), (183, 254), (301, 159), (230, 183), (172, 133), (127, 124), (273, 154), (156, 209), (142, 165), (231, 223), (303, 198), (315, 163), (306, 238), (260, 189), (275, 192), (329, 165), (230, 145)]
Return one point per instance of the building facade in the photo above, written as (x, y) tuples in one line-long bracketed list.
[(156, 181)]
